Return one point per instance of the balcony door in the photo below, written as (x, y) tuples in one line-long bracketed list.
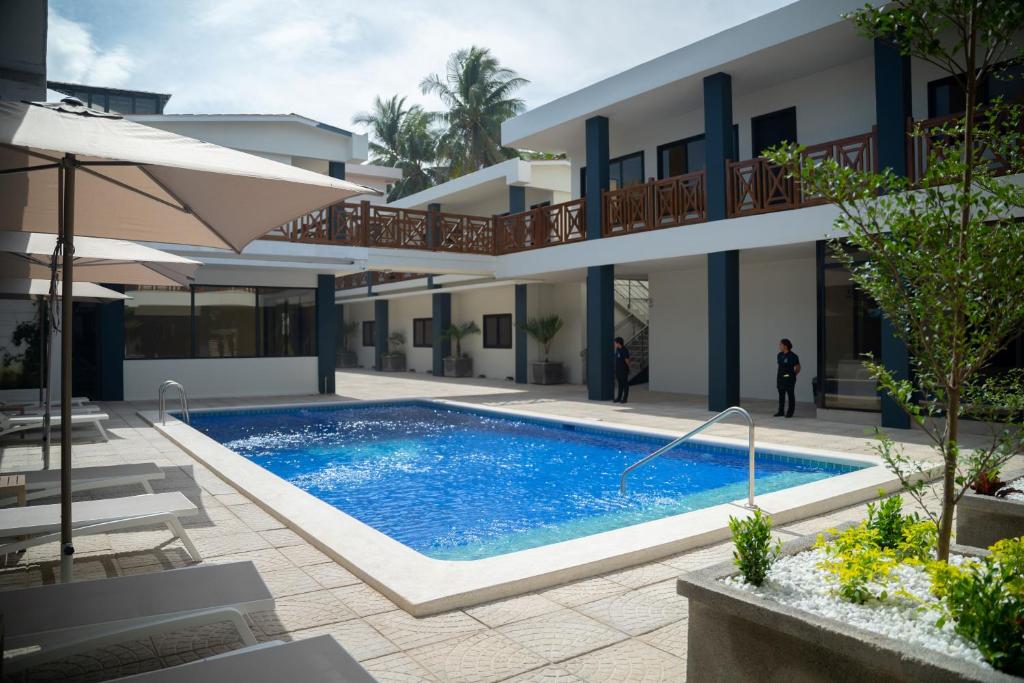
[(768, 130)]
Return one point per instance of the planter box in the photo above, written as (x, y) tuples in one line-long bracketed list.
[(546, 373), (347, 359), (392, 363), (458, 367), (983, 520), (735, 636)]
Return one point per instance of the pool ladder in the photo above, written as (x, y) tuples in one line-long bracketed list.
[(163, 402), (735, 410)]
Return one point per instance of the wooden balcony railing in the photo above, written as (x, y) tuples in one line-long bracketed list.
[(758, 186), (378, 277), (463, 234), (933, 141), (667, 203), (543, 226)]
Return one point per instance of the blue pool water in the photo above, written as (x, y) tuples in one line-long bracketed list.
[(461, 485)]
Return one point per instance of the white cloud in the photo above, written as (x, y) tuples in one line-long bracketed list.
[(72, 55), (329, 60)]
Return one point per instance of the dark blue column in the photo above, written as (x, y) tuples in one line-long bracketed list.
[(110, 358), (440, 322), (516, 198), (596, 180), (380, 330), (521, 340), (600, 332), (723, 266), (326, 333), (433, 227), (600, 279), (892, 111), (723, 330)]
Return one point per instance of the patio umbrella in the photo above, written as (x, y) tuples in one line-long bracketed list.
[(67, 169)]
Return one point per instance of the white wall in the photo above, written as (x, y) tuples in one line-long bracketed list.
[(401, 312), (679, 330), (222, 377), (473, 304), (359, 312), (567, 299), (778, 299)]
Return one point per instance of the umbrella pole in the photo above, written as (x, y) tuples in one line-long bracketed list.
[(46, 380), (67, 219)]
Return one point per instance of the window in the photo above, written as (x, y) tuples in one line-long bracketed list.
[(287, 321), (622, 172), (369, 332), (20, 366), (225, 322), (539, 205), (422, 332), (946, 97), (145, 105), (158, 322), (688, 155), (769, 130), (498, 331), (122, 104)]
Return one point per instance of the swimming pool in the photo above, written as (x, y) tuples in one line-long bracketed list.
[(455, 483)]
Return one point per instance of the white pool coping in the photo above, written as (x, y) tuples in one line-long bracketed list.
[(422, 585)]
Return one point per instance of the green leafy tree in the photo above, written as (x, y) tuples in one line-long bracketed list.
[(405, 138), (479, 95), (944, 255)]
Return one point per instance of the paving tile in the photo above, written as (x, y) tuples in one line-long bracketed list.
[(503, 612), (407, 631), (196, 643), (305, 555), (640, 611), (282, 538), (631, 661), (256, 518), (298, 612), (230, 544), (398, 668), (560, 635), (701, 557), (580, 592), (361, 640), (643, 575), (289, 581), (671, 639), (330, 574), (483, 656), (363, 600), (548, 674), (266, 560)]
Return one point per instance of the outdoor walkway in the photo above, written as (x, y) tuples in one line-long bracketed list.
[(625, 626)]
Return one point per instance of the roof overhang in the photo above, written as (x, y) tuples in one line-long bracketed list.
[(796, 40), (487, 182)]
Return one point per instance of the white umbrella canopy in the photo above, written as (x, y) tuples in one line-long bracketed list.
[(71, 170), (140, 183), (30, 255), (21, 288)]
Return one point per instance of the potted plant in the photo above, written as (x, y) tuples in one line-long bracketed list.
[(992, 510), (459, 365), (543, 331), (394, 359), (346, 357), (869, 602)]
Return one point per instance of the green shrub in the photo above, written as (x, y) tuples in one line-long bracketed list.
[(985, 599), (753, 552), (888, 520)]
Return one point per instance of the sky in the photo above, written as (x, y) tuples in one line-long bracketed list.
[(328, 59)]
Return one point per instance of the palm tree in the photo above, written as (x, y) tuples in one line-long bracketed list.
[(457, 333), (404, 138), (543, 330), (479, 94)]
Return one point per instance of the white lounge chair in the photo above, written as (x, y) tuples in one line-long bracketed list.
[(46, 483), (312, 660), (42, 522), (37, 409), (12, 424), (60, 620)]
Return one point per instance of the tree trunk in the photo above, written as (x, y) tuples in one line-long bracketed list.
[(949, 476)]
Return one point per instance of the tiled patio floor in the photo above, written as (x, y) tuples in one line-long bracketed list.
[(625, 626)]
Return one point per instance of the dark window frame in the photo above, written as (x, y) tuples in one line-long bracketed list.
[(369, 332), (686, 141), (496, 343), (426, 329), (611, 162), (778, 113)]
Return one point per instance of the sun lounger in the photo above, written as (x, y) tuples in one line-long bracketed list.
[(60, 620), (42, 522), (21, 397), (46, 483), (54, 409), (312, 660), (11, 424)]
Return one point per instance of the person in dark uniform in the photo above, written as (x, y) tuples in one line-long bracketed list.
[(621, 370), (785, 380)]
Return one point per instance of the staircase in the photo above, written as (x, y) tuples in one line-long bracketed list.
[(633, 297)]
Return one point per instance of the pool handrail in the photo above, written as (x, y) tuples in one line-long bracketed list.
[(162, 410), (734, 410)]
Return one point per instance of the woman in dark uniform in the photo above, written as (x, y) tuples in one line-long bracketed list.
[(785, 380), (621, 370)]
